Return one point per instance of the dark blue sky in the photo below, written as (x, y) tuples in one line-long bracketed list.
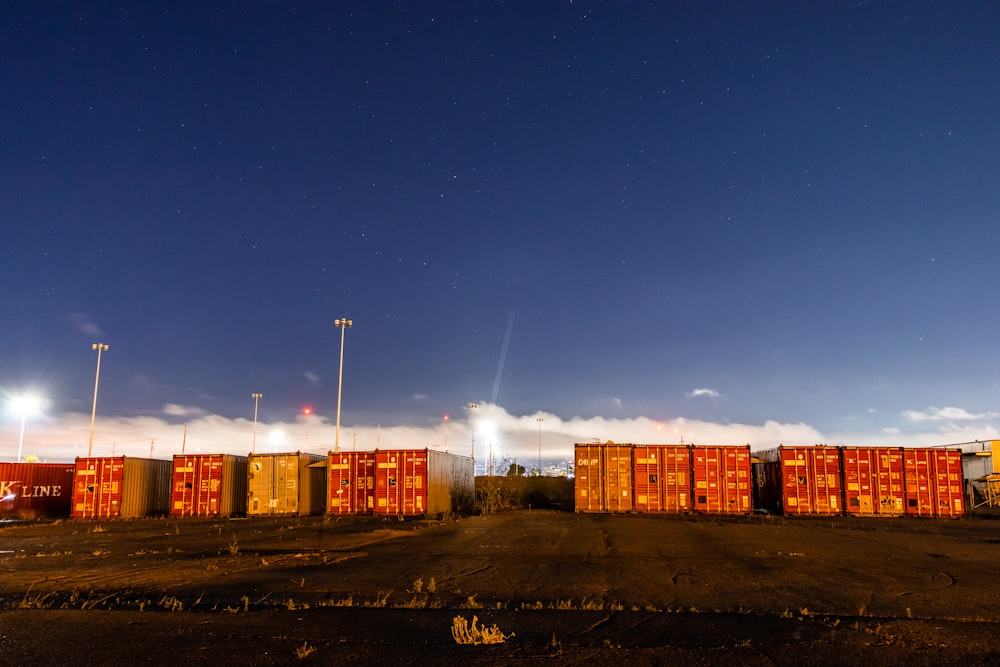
[(721, 211)]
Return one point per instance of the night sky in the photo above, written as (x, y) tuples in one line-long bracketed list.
[(726, 222)]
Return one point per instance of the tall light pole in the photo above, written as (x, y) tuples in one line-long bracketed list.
[(446, 433), (472, 427), (539, 420), (256, 400), (342, 324), (100, 347)]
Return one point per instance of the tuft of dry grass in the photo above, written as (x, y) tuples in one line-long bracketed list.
[(466, 633)]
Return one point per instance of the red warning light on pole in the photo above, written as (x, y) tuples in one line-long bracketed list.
[(307, 411)]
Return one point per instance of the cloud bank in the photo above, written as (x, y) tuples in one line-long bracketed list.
[(498, 433)]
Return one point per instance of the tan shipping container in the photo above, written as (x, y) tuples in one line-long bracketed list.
[(603, 478), (285, 484)]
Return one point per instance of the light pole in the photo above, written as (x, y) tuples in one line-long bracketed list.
[(472, 427), (539, 420), (446, 433), (100, 347), (342, 324), (256, 400)]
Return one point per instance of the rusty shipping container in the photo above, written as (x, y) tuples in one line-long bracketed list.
[(662, 476), (873, 480), (351, 483), (809, 478), (120, 487), (415, 482), (934, 482), (285, 484), (603, 478), (722, 479), (209, 485), (35, 490)]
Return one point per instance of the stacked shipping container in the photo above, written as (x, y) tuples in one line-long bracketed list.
[(209, 485), (120, 487), (722, 479), (873, 480), (286, 484), (35, 490), (934, 484), (603, 478), (414, 482), (809, 479), (351, 483), (662, 478)]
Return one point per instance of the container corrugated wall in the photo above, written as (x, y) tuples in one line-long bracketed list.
[(873, 480), (35, 490), (809, 479), (722, 479), (120, 487), (351, 483), (662, 477), (285, 484), (414, 482), (603, 478), (209, 485), (934, 482)]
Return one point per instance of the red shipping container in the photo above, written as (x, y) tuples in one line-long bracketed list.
[(873, 480), (662, 478), (603, 478), (35, 490), (351, 483), (809, 477), (208, 485), (120, 487), (722, 479), (415, 482), (934, 482)]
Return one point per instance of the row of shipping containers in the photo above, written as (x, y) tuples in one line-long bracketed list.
[(861, 481), (817, 480), (670, 479), (389, 482)]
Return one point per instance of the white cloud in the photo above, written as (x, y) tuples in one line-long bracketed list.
[(175, 410), (934, 414), (419, 397), (64, 437), (86, 325), (311, 378), (697, 393)]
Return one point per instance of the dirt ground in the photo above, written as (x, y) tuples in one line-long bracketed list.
[(559, 587)]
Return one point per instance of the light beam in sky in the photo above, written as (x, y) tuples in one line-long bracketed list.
[(503, 356)]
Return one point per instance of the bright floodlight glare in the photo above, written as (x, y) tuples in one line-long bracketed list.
[(25, 405)]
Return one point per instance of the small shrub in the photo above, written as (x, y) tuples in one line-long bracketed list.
[(304, 651)]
